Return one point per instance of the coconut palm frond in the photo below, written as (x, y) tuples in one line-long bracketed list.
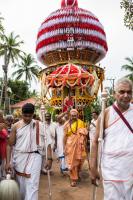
[(29, 67), (11, 46), (130, 76), (128, 67), (18, 76), (1, 27), (130, 60)]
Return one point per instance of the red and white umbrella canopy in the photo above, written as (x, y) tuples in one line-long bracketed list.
[(71, 27), (70, 75)]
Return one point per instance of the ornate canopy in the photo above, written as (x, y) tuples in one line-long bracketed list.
[(70, 75), (70, 42), (71, 34)]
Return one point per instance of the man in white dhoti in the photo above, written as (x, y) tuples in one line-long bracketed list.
[(92, 127), (60, 142), (117, 152), (28, 141), (49, 129)]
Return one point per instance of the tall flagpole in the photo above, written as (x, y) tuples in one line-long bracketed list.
[(104, 96), (45, 139)]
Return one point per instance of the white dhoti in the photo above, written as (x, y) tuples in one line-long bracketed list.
[(118, 190), (49, 131), (29, 186), (27, 159), (60, 147), (92, 132), (117, 157)]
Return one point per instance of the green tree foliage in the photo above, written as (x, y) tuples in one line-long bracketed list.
[(19, 91), (111, 98), (127, 5), (27, 69), (129, 67), (87, 113), (1, 81), (11, 52), (1, 27), (10, 48), (94, 106)]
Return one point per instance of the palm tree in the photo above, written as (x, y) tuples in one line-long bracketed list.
[(1, 27), (27, 69), (129, 67), (11, 52)]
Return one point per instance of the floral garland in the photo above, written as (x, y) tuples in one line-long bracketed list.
[(59, 79), (70, 123)]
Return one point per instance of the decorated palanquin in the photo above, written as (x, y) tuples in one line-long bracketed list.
[(70, 42)]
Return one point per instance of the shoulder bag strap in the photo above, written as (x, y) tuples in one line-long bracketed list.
[(123, 118)]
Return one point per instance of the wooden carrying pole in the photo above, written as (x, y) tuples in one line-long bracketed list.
[(45, 139), (100, 139)]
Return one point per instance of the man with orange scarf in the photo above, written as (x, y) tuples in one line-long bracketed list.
[(75, 145)]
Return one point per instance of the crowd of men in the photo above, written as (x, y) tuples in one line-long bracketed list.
[(27, 147)]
